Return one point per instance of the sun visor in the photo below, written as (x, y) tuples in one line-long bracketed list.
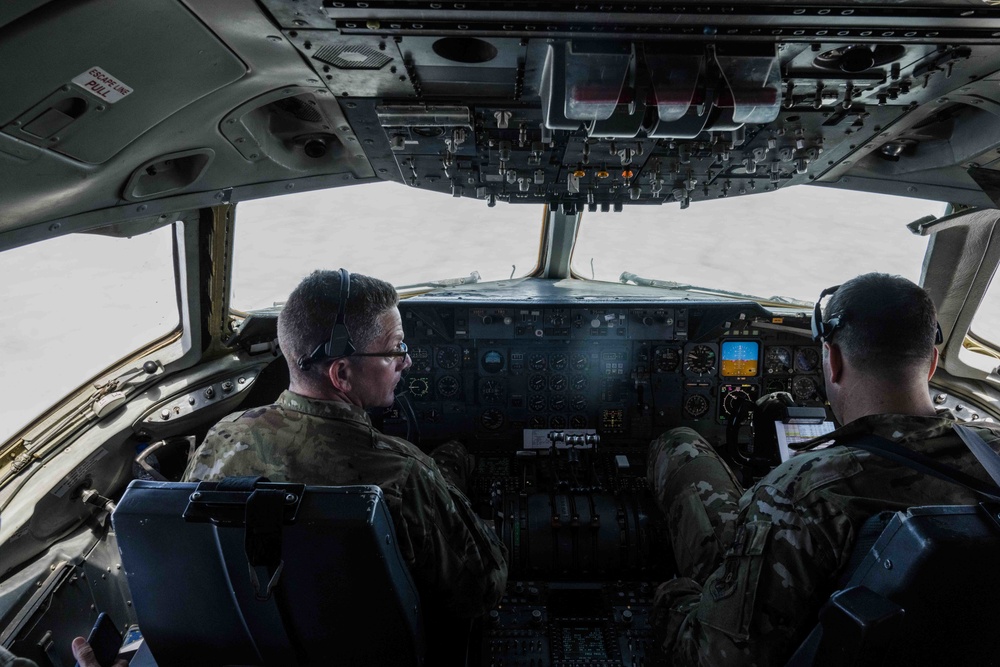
[(674, 77), (596, 73), (88, 102), (754, 82), (612, 88)]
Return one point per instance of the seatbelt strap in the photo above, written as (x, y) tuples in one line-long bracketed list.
[(985, 454), (890, 450)]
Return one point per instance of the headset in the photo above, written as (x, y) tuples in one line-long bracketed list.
[(340, 344), (822, 330)]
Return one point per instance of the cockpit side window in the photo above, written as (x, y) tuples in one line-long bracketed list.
[(72, 306), (986, 323)]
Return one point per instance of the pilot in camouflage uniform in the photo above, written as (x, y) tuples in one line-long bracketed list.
[(449, 550), (755, 566), (318, 433)]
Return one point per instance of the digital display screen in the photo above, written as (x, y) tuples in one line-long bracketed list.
[(739, 358), (582, 643)]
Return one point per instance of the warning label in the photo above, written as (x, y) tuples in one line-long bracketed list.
[(100, 83)]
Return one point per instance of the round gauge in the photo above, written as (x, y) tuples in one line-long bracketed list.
[(578, 421), (695, 405), (536, 382), (804, 389), (448, 357), (559, 361), (492, 361), (578, 403), (581, 362), (557, 421), (421, 357), (537, 362), (493, 391), (666, 359), (557, 403), (418, 386), (491, 419), (447, 386), (700, 360), (777, 360), (536, 421), (536, 403), (557, 382), (579, 382), (775, 384), (806, 359), (731, 399)]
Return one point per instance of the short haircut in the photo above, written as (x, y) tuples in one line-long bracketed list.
[(887, 323), (311, 311)]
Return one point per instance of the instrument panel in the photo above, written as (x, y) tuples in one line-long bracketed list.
[(491, 373)]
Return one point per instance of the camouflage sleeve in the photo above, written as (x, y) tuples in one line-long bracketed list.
[(8, 659), (759, 604), (455, 463), (698, 495), (456, 553)]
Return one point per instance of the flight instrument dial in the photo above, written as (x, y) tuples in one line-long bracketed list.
[(806, 360), (418, 386), (777, 360), (447, 386), (700, 360), (493, 391), (448, 357), (421, 357), (666, 359), (695, 406), (804, 389), (491, 419)]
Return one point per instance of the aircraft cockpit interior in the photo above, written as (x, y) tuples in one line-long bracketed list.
[(604, 220)]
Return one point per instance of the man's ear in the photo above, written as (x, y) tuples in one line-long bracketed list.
[(835, 362), (340, 375)]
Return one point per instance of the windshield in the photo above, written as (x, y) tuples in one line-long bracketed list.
[(81, 302), (790, 243), (396, 233)]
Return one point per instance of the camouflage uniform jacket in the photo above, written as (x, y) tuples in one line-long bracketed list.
[(456, 559), (8, 659), (794, 534)]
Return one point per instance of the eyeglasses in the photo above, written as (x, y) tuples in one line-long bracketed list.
[(399, 352), (822, 330)]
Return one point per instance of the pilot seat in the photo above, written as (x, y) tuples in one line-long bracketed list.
[(925, 593), (246, 572)]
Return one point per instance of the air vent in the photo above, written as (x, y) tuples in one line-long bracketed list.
[(859, 58), (299, 109), (347, 56)]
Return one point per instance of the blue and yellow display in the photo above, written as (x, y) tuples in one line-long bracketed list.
[(739, 358)]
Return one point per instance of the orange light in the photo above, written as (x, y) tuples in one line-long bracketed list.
[(602, 174), (579, 173), (627, 173)]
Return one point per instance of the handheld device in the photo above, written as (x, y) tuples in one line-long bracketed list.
[(105, 640)]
